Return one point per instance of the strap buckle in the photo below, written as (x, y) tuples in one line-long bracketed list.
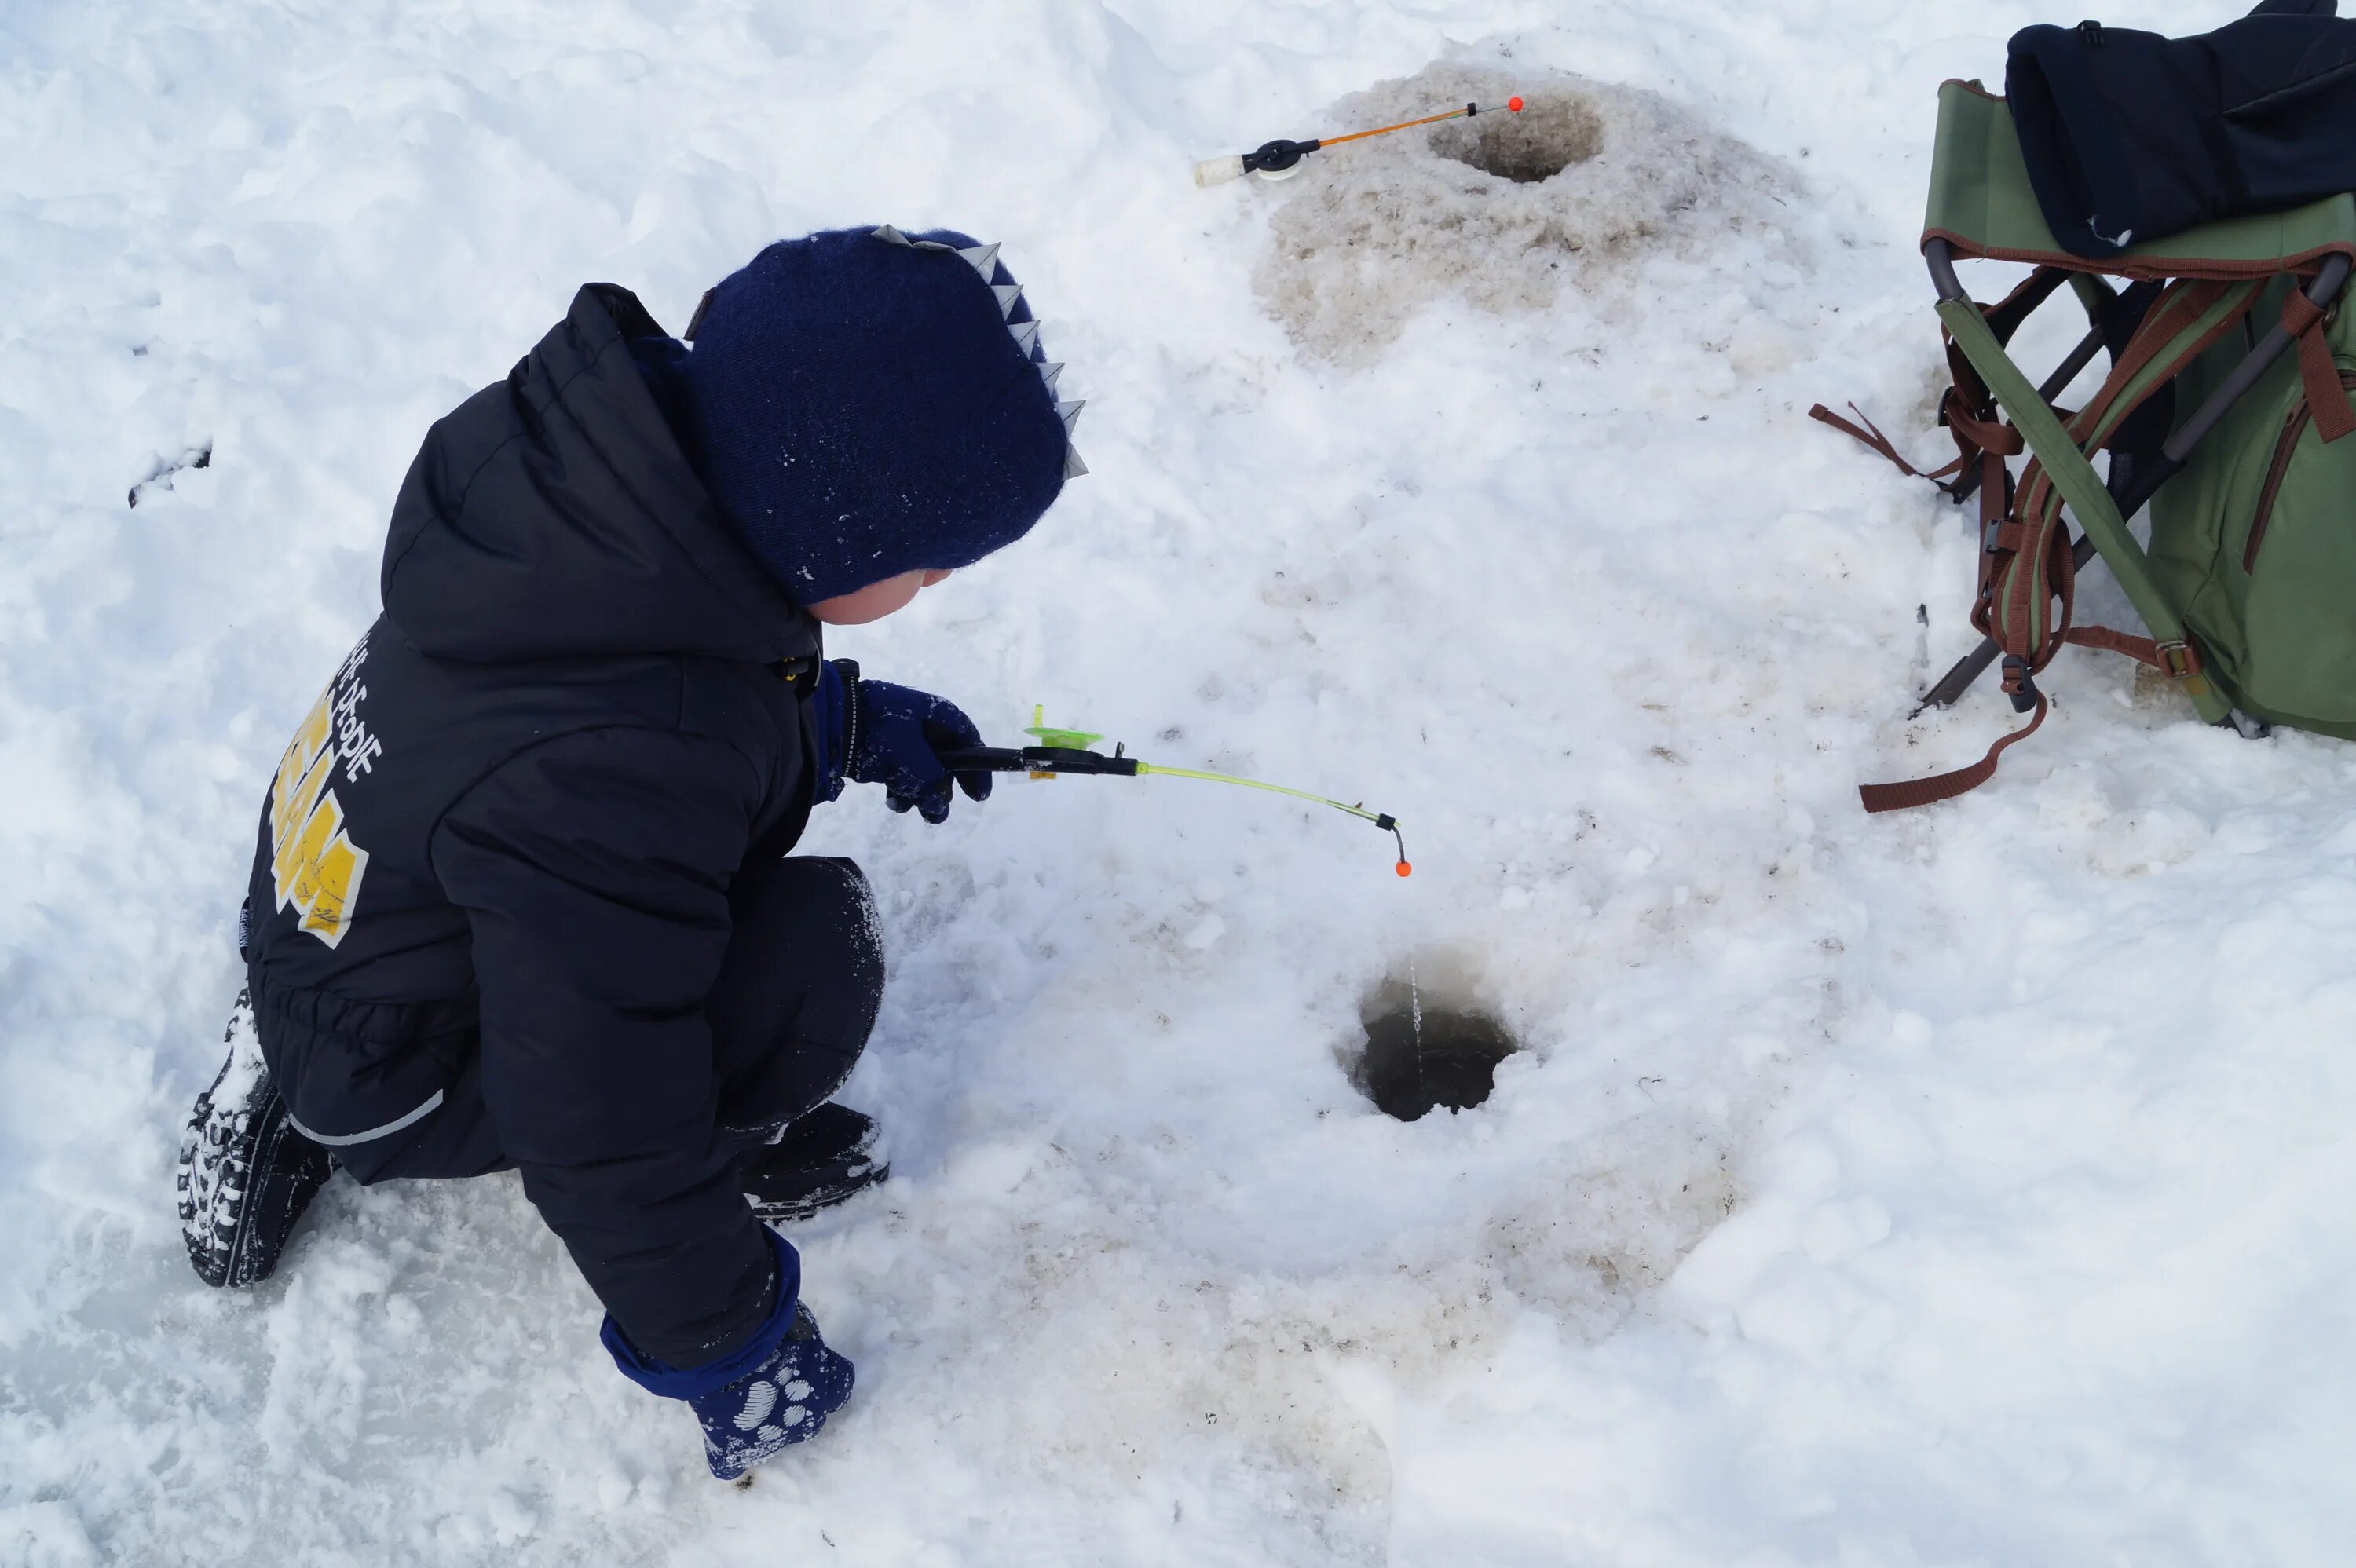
[(2179, 660), (2019, 683)]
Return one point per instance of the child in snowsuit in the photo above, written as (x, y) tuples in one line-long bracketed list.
[(523, 896)]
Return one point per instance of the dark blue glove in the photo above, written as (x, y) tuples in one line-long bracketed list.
[(892, 735), (775, 1390)]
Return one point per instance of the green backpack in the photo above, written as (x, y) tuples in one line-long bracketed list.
[(2225, 407)]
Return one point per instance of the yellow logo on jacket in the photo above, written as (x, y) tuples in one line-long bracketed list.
[(314, 866)]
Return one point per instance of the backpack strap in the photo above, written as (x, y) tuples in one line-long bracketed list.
[(1967, 410), (2304, 319), (2027, 562), (2175, 660), (2026, 565), (1870, 435), (1908, 794)]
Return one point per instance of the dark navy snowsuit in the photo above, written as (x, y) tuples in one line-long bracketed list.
[(518, 896)]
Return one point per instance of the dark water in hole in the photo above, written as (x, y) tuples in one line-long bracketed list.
[(1456, 1067), (1555, 131)]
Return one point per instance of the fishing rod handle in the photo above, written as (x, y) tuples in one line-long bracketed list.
[(1220, 171), (1035, 760), (985, 759)]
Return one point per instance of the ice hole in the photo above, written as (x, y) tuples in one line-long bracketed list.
[(1546, 138), (1590, 189), (1420, 1054)]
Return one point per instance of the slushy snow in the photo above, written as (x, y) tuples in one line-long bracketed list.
[(1616, 192), (1964, 1187)]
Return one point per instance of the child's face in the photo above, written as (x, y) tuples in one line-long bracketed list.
[(875, 601)]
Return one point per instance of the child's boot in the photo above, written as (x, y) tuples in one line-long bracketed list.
[(821, 1159), (246, 1174)]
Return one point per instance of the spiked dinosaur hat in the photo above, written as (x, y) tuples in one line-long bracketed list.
[(863, 402)]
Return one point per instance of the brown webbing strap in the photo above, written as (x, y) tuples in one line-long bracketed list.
[(1975, 436), (2176, 310), (2182, 304), (1992, 435), (2061, 580), (2009, 538), (2178, 307), (2301, 317), (2025, 592), (2143, 650), (1872, 436), (1913, 793), (1946, 786), (1971, 416)]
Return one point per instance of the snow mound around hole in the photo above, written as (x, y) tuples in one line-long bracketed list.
[(1586, 187)]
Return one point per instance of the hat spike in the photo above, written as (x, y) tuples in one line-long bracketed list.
[(1049, 372), (1026, 336), (1007, 295), (892, 235), (1073, 466), (984, 258), (1070, 414)]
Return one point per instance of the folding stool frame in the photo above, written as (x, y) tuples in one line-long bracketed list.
[(2129, 497)]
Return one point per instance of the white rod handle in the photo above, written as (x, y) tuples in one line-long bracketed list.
[(1220, 171)]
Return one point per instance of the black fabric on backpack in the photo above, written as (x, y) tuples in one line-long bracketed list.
[(497, 857), (2130, 137), (2143, 432)]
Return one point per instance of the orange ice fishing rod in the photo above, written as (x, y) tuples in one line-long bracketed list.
[(1281, 160)]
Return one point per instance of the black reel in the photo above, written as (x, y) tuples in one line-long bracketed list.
[(1275, 157), (1036, 760)]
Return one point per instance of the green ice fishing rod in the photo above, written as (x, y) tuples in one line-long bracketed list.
[(1068, 752)]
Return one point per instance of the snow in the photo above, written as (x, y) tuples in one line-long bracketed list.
[(1963, 1188)]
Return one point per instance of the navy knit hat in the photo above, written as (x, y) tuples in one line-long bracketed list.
[(862, 403)]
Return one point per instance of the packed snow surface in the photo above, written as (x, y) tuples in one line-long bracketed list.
[(1967, 1188)]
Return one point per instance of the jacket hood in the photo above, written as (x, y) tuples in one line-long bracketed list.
[(554, 514)]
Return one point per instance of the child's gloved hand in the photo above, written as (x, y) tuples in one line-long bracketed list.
[(896, 736)]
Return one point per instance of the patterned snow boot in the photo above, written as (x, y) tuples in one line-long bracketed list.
[(819, 1161), (783, 1400), (246, 1175)]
